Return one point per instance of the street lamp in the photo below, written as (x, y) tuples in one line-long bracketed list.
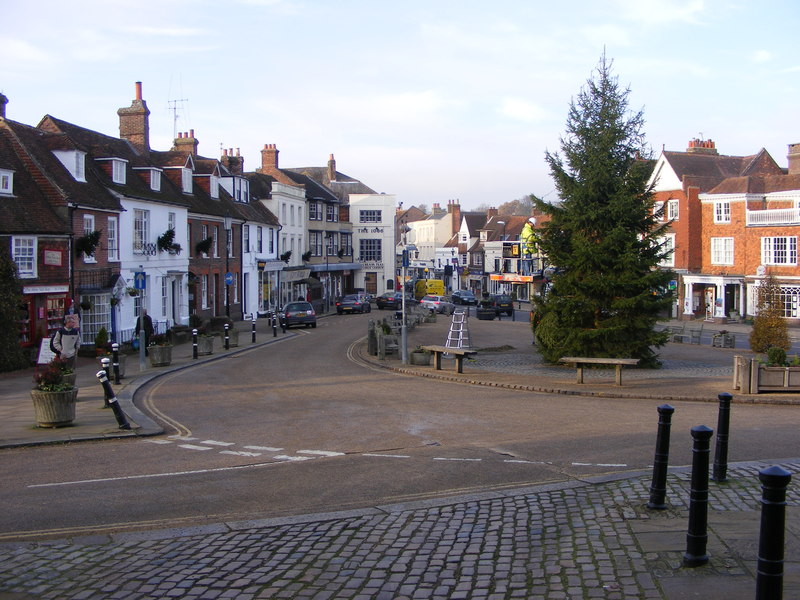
[(502, 244), (226, 223), (327, 271)]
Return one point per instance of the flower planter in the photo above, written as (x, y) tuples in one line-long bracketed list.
[(485, 314), (205, 345), (54, 409), (70, 378), (723, 340), (160, 356), (755, 378), (420, 358)]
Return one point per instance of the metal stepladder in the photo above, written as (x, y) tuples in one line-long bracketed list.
[(458, 336)]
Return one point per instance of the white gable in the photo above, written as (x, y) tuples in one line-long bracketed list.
[(664, 176)]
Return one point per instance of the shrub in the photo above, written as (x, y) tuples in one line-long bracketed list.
[(769, 326), (51, 379), (776, 357)]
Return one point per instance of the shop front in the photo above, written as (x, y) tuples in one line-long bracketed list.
[(42, 312), (712, 298)]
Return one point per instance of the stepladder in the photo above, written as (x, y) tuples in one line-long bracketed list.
[(458, 336)]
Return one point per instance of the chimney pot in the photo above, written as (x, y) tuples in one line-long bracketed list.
[(139, 90)]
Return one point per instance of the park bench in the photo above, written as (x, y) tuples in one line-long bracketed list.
[(581, 361), (387, 344), (458, 353)]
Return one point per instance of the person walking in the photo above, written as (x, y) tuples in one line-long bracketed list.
[(144, 322), (67, 340)]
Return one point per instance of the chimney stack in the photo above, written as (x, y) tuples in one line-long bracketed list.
[(269, 157), (454, 209), (186, 143), (3, 102), (331, 169), (794, 159), (234, 163), (134, 122), (702, 147)]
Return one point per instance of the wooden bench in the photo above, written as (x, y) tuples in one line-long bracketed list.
[(581, 361), (458, 353)]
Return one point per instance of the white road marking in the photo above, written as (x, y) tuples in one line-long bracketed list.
[(459, 459), (388, 455), (193, 447), (263, 448), (158, 441), (611, 465), (292, 458), (524, 462), (183, 438), (577, 464), (235, 453), (320, 452), (216, 443)]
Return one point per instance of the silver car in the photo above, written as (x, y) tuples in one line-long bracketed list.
[(440, 304)]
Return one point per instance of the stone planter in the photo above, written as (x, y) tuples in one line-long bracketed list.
[(160, 356), (70, 378), (752, 377), (723, 340), (420, 358), (205, 345), (54, 409), (485, 314)]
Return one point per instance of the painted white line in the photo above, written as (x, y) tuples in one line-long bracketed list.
[(524, 462), (388, 455), (153, 475), (582, 464), (611, 465), (235, 453), (193, 447), (263, 448), (181, 438), (158, 441), (320, 452), (459, 459), (292, 458), (216, 443)]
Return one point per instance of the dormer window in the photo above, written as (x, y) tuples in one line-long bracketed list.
[(118, 171), (186, 180), (6, 181), (214, 187), (483, 236), (74, 161), (155, 180)]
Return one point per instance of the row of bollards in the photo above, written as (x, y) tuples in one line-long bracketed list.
[(774, 482)]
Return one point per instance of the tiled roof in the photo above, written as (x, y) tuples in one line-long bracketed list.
[(708, 170), (342, 187), (314, 189), (757, 185), (27, 210)]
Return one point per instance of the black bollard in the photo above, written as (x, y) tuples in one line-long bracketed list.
[(274, 325), (227, 338), (720, 470), (769, 575), (253, 340), (697, 536), (658, 488), (122, 420), (106, 364), (115, 359), (194, 344)]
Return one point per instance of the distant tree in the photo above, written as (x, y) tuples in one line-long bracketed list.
[(12, 356), (608, 291), (769, 327), (521, 206), (423, 208)]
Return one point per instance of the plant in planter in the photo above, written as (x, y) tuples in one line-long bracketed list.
[(160, 350), (101, 341), (166, 242), (419, 356), (203, 246), (86, 305), (87, 244), (53, 397), (132, 292), (286, 256)]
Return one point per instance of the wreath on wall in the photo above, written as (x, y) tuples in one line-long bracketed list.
[(166, 242), (203, 246), (87, 244)]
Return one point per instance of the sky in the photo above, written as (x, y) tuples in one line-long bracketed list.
[(430, 100)]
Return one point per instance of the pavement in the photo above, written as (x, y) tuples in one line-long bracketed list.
[(591, 537)]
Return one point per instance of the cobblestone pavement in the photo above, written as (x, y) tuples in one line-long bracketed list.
[(565, 541)]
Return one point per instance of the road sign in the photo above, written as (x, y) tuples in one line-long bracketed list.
[(228, 278), (139, 280)]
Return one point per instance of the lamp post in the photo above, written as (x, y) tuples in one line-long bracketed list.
[(227, 225), (502, 246), (403, 331), (327, 271)]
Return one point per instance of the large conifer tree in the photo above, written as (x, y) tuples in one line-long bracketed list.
[(602, 238), (12, 356)]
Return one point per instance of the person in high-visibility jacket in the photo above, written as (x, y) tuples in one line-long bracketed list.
[(528, 237)]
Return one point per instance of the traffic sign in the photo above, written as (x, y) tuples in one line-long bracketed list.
[(228, 278), (139, 280)]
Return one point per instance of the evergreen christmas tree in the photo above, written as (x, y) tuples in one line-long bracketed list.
[(603, 240), (12, 356)]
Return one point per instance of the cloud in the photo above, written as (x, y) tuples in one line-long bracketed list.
[(21, 51), (760, 56), (522, 110), (165, 31)]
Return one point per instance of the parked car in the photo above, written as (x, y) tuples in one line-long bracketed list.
[(352, 303), (502, 303), (393, 300), (463, 297), (298, 313), (438, 304)]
